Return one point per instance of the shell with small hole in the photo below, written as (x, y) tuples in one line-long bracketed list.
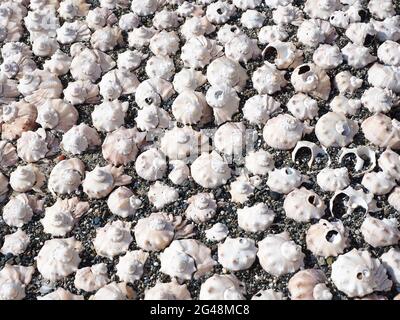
[(327, 239), (302, 205), (357, 273), (284, 180), (224, 102)]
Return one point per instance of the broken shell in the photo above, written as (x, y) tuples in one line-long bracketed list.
[(113, 239), (224, 71), (284, 180), (283, 132), (186, 258), (332, 180), (60, 218), (356, 198), (109, 115), (80, 138), (255, 218), (66, 176), (210, 170), (168, 291), (130, 266), (314, 149), (382, 131), (363, 154), (278, 255), (13, 280), (391, 261), (378, 182), (15, 243), (347, 83), (91, 278), (114, 291), (360, 33), (61, 294), (217, 232), (121, 145), (302, 205), (3, 187), (267, 79), (155, 232), (257, 109), (302, 106), (335, 130), (222, 287), (151, 165), (224, 102), (311, 79), (99, 182), (327, 239), (357, 274), (20, 209), (202, 207), (26, 178), (123, 203), (380, 233), (161, 195), (259, 162), (58, 258), (309, 284)]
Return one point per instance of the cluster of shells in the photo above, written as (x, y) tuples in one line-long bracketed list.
[(209, 149)]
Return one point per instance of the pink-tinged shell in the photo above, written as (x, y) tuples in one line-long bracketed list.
[(15, 243), (25, 178), (66, 176), (91, 278), (237, 254), (380, 233), (61, 294), (202, 207), (80, 138), (130, 266), (222, 287), (16, 118), (57, 114), (114, 291), (151, 165), (382, 131), (168, 291), (309, 284), (13, 280), (8, 154), (121, 146)]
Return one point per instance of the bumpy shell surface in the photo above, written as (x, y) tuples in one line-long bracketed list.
[(58, 258), (91, 278), (13, 280), (391, 261), (202, 207), (130, 266), (357, 274), (222, 287), (255, 218), (237, 253), (66, 176), (284, 180), (15, 243), (279, 255), (113, 239), (151, 165), (114, 291), (379, 233), (168, 291), (327, 239), (309, 285)]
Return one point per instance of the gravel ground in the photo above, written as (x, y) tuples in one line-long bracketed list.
[(255, 278)]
